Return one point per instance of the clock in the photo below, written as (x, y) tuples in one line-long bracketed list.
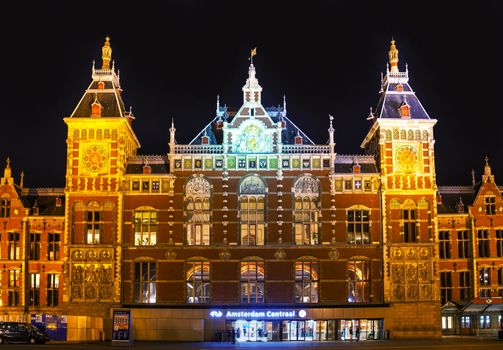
[(407, 158), (94, 158)]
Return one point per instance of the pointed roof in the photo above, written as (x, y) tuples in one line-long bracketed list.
[(396, 91), (104, 89)]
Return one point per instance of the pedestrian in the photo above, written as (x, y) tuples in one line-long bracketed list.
[(350, 333), (357, 333), (233, 336)]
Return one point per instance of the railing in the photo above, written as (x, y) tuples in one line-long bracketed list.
[(156, 158), (397, 77), (350, 158), (199, 149), (455, 189), (302, 149)]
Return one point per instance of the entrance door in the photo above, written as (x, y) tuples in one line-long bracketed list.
[(250, 330)]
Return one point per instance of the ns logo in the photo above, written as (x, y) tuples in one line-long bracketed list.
[(216, 314)]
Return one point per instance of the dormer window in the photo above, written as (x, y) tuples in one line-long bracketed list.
[(101, 85), (399, 87), (205, 140), (96, 109), (298, 140), (356, 168), (35, 209), (147, 169), (58, 202), (220, 124), (404, 110)]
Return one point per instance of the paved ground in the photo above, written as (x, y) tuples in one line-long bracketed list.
[(451, 343)]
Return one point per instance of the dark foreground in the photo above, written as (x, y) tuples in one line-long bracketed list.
[(454, 343)]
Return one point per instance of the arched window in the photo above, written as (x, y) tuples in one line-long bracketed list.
[(198, 281), (306, 281), (358, 225), (94, 222), (145, 226), (4, 207), (358, 280), (198, 211), (252, 282), (145, 282), (252, 210), (306, 214)]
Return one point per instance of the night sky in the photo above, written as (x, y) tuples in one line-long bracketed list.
[(325, 56)]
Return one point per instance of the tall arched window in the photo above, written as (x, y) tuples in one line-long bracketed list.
[(359, 280), (252, 281), (306, 214), (198, 281), (198, 211), (93, 223), (306, 281), (145, 226), (145, 282), (252, 210)]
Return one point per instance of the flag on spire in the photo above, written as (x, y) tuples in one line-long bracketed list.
[(253, 52)]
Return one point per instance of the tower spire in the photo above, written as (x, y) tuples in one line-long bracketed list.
[(393, 56), (106, 54)]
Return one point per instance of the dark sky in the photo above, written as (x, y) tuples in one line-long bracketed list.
[(326, 56)]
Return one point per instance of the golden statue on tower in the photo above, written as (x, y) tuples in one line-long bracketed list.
[(106, 55)]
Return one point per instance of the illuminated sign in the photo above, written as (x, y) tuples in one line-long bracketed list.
[(258, 314)]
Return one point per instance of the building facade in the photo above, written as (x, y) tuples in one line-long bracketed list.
[(252, 230)]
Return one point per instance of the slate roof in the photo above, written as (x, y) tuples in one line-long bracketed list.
[(344, 164), (390, 100), (158, 164), (45, 199), (450, 196)]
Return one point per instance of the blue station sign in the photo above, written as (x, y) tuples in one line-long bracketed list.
[(258, 314)]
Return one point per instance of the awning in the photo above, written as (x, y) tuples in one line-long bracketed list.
[(494, 308), (475, 308)]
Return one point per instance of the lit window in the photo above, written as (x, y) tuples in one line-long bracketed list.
[(252, 211), (52, 289), (198, 282), (198, 211), (13, 246), (358, 226), (145, 282), (145, 227), (53, 246), (252, 282), (409, 225), (490, 205), (4, 208), (34, 289), (93, 226), (447, 322), (306, 281), (358, 281), (306, 214)]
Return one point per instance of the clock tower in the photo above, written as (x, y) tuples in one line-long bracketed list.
[(99, 141), (401, 139)]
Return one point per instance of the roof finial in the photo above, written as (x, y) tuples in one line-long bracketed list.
[(253, 52), (487, 168), (106, 54), (21, 181), (371, 114), (7, 171), (284, 105), (393, 56), (473, 178)]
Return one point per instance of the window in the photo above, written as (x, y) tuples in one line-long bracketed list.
[(485, 321), (145, 227), (409, 225), (500, 276), (463, 244), (499, 243), (464, 285), (252, 211), (252, 282), (348, 185), (144, 285), (52, 289), (93, 225), (447, 322), (465, 321), (306, 214), (445, 287), (444, 238), (34, 246), (358, 281), (484, 247), (13, 246), (306, 281), (358, 226), (14, 282), (485, 282), (4, 208), (34, 289), (198, 282), (198, 211), (490, 205), (53, 246)]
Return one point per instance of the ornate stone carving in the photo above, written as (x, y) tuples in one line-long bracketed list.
[(77, 255), (411, 254), (411, 272), (424, 271), (424, 253), (412, 292), (91, 254), (105, 292), (252, 185), (398, 292), (426, 291), (397, 253), (333, 254), (105, 254), (280, 254), (398, 273), (170, 254), (395, 203), (76, 292), (198, 186), (224, 254), (90, 292), (306, 185)]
